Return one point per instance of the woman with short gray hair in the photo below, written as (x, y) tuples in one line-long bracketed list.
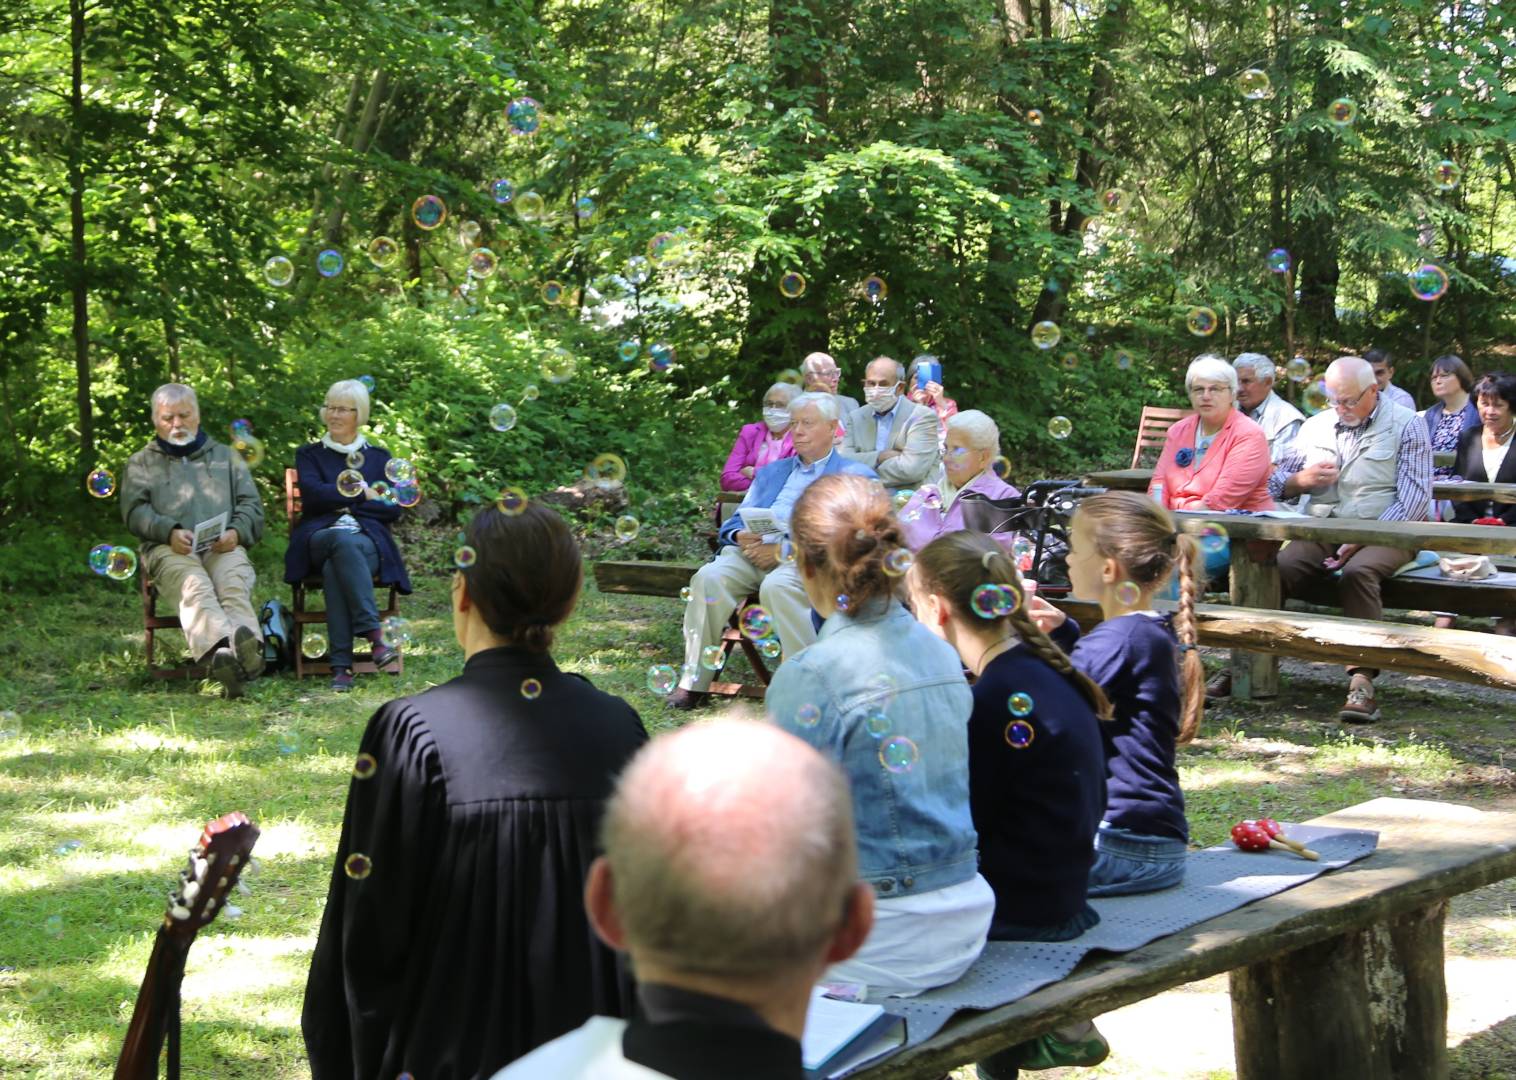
[(971, 494), (763, 442)]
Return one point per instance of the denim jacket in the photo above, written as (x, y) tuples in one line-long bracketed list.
[(915, 830)]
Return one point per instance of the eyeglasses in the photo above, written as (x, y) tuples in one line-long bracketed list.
[(1346, 403), (1216, 391), (339, 409)]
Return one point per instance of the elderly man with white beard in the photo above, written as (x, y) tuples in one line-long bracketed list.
[(177, 487)]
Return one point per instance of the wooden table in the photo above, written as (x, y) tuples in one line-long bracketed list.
[(1138, 480), (1340, 977)]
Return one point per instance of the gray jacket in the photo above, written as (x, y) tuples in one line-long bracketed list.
[(163, 493)]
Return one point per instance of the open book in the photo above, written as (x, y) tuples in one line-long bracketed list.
[(842, 1035)]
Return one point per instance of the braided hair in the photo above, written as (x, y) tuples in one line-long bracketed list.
[(957, 564)]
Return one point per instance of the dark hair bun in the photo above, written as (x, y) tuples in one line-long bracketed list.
[(526, 575)]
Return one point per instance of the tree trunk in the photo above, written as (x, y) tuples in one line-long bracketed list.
[(1319, 270), (78, 275)]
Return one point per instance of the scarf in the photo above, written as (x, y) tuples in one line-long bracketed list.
[(343, 448), (173, 450)]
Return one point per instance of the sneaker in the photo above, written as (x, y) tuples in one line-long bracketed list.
[(687, 699), (1048, 1051), (385, 657), (1220, 685), (225, 670), (249, 649), (342, 679), (1360, 707)]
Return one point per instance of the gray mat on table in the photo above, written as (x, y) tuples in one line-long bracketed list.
[(1216, 880)]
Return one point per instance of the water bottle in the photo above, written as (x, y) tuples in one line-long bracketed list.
[(1156, 491)]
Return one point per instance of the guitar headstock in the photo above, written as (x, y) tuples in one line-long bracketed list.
[(215, 864)]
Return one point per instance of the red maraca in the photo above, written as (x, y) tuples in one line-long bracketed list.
[(1251, 836), (1276, 830)]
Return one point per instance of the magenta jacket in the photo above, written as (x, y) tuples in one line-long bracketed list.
[(1233, 476), (745, 452), (922, 520)]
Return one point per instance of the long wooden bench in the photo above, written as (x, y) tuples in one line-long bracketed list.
[(1340, 977)]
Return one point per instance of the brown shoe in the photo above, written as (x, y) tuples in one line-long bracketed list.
[(687, 699), (1360, 708), (225, 670), (1220, 685)]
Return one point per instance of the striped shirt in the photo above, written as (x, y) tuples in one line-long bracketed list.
[(1413, 468)]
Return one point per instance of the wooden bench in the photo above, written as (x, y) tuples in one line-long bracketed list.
[(1341, 977), (1138, 480)]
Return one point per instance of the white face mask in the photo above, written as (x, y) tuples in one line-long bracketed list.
[(881, 397), (776, 419)]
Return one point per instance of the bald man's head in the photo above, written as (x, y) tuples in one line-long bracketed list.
[(731, 851)]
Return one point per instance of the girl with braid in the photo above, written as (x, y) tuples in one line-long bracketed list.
[(1123, 549)]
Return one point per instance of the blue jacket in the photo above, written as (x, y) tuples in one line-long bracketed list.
[(915, 829), (321, 505), (769, 481), (1433, 416)]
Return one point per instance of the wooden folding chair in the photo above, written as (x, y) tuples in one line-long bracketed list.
[(303, 617), (726, 502), (152, 622), (1152, 428)]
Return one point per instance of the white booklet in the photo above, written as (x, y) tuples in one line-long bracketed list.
[(841, 1035), (762, 520), (208, 532)]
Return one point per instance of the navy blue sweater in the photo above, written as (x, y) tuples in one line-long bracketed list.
[(321, 505), (1134, 658), (1036, 809)]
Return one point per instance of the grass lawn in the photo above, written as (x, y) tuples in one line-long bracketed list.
[(113, 774)]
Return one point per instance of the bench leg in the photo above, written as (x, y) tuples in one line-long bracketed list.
[(1255, 584), (1370, 1004)]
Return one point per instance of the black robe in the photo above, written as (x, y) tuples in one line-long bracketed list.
[(466, 945)]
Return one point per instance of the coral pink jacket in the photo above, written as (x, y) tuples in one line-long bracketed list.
[(1233, 475)]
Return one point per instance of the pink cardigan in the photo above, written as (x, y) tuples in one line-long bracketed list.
[(1234, 475), (745, 452)]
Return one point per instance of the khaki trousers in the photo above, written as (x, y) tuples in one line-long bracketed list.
[(716, 590), (1302, 576), (214, 593)]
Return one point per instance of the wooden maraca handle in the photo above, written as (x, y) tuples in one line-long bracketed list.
[(1301, 850)]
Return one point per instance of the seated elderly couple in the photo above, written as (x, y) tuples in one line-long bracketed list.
[(184, 480), (896, 433), (749, 561)]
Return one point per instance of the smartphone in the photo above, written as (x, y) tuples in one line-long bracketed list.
[(928, 371)]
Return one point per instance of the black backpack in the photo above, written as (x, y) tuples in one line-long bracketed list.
[(277, 627)]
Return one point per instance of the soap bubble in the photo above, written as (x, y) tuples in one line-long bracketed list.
[(428, 212), (987, 600), (350, 483), (1034, 117), (382, 252), (468, 234), (843, 600), (552, 292), (558, 365), (101, 483), (355, 460), (465, 557), (511, 501), (1446, 174), (876, 721), (1202, 321), (68, 847), (399, 470), (1253, 84), (1213, 538), (1127, 593), (637, 270), (791, 376), (1429, 281), (769, 648), (1046, 334), (685, 594), (606, 470), (251, 450), (1278, 261), (397, 632), (279, 271), (792, 285), (531, 689), (1060, 427), (1342, 112), (312, 644), (503, 417), (1123, 359), (52, 926), (1297, 369), (1069, 361), (584, 208), (627, 528), (529, 392), (898, 754), (1315, 398), (661, 679), (700, 350), (898, 562), (289, 742), (876, 288), (524, 116), (100, 558), (1019, 734), (10, 724), (1113, 201), (1020, 703), (122, 564), (365, 766), (358, 866), (502, 190), (329, 263), (808, 715), (368, 382), (406, 493), (530, 206), (786, 550), (1023, 550), (713, 657), (482, 263), (660, 356), (755, 623), (1001, 467), (661, 247)]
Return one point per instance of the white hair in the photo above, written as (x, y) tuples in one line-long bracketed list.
[(171, 392), (1261, 365), (348, 392), (825, 404), (1348, 366), (981, 431), (1213, 367), (815, 360), (788, 389)]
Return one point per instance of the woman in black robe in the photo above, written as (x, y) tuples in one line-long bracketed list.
[(454, 938)]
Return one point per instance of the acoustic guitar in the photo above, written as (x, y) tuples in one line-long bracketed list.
[(215, 864)]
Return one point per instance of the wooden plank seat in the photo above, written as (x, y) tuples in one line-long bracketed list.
[(1339, 977), (647, 578)]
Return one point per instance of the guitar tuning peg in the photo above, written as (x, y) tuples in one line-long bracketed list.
[(210, 857), (180, 912), (221, 884), (191, 891), (234, 860)]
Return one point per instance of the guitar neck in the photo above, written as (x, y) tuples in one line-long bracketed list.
[(156, 1000)]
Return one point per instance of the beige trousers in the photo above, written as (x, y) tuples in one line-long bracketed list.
[(716, 590), (214, 593)]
